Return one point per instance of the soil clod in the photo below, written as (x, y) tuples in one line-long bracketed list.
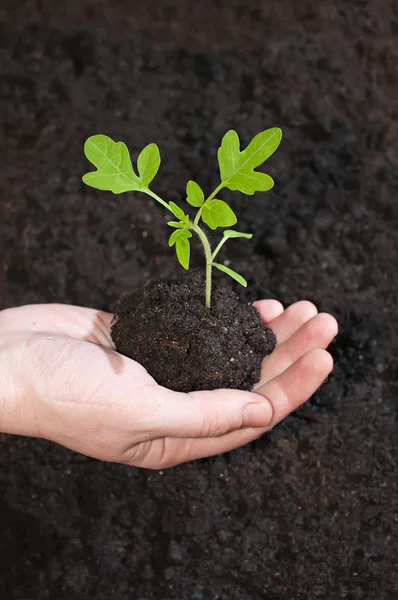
[(185, 346)]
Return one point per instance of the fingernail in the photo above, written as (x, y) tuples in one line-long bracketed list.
[(256, 415)]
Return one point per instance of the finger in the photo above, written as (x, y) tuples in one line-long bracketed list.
[(204, 414), (318, 332), (268, 309), (167, 452), (88, 324), (293, 387), (73, 321), (91, 325), (101, 330), (292, 319)]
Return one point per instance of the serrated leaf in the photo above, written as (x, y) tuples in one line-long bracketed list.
[(237, 167), (231, 233), (114, 169), (148, 163), (183, 250), (231, 273), (195, 195), (178, 212), (176, 224), (179, 234), (217, 213)]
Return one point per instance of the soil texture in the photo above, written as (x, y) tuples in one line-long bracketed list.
[(167, 328), (310, 510)]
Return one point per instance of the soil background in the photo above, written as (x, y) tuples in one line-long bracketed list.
[(310, 511)]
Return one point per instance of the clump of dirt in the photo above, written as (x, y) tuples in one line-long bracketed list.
[(185, 346)]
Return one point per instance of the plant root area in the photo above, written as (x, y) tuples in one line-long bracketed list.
[(166, 327), (309, 511)]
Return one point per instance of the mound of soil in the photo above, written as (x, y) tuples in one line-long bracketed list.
[(185, 346)]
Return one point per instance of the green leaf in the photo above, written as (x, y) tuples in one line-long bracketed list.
[(148, 163), (178, 212), (114, 169), (183, 250), (227, 155), (237, 167), (231, 233), (176, 224), (180, 238), (231, 273), (262, 146), (217, 213), (251, 183), (179, 234), (195, 195)]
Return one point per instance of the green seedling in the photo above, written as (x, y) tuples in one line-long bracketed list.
[(115, 173)]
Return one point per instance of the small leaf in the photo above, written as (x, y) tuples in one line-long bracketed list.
[(195, 195), (180, 238), (237, 168), (217, 213), (231, 273), (178, 212), (183, 250), (114, 169), (250, 183), (148, 163), (228, 153), (262, 146), (231, 233), (179, 234), (176, 224)]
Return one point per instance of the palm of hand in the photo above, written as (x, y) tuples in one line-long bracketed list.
[(72, 387)]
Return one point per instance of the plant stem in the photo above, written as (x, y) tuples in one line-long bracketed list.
[(218, 248), (199, 213), (158, 199), (206, 247), (201, 234)]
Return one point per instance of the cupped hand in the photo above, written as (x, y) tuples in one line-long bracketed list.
[(61, 380)]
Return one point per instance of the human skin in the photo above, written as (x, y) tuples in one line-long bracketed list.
[(62, 380)]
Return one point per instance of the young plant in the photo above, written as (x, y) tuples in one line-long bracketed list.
[(115, 173)]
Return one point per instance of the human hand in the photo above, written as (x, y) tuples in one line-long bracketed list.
[(61, 380)]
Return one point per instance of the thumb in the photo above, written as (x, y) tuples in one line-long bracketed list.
[(205, 414)]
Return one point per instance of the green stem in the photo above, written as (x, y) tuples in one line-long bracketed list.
[(206, 246), (199, 213), (158, 199), (218, 248), (201, 234)]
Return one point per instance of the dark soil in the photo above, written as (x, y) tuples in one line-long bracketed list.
[(167, 328), (310, 511)]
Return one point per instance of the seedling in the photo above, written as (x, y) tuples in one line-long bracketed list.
[(115, 173)]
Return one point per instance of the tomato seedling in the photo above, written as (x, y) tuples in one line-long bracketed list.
[(115, 173)]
